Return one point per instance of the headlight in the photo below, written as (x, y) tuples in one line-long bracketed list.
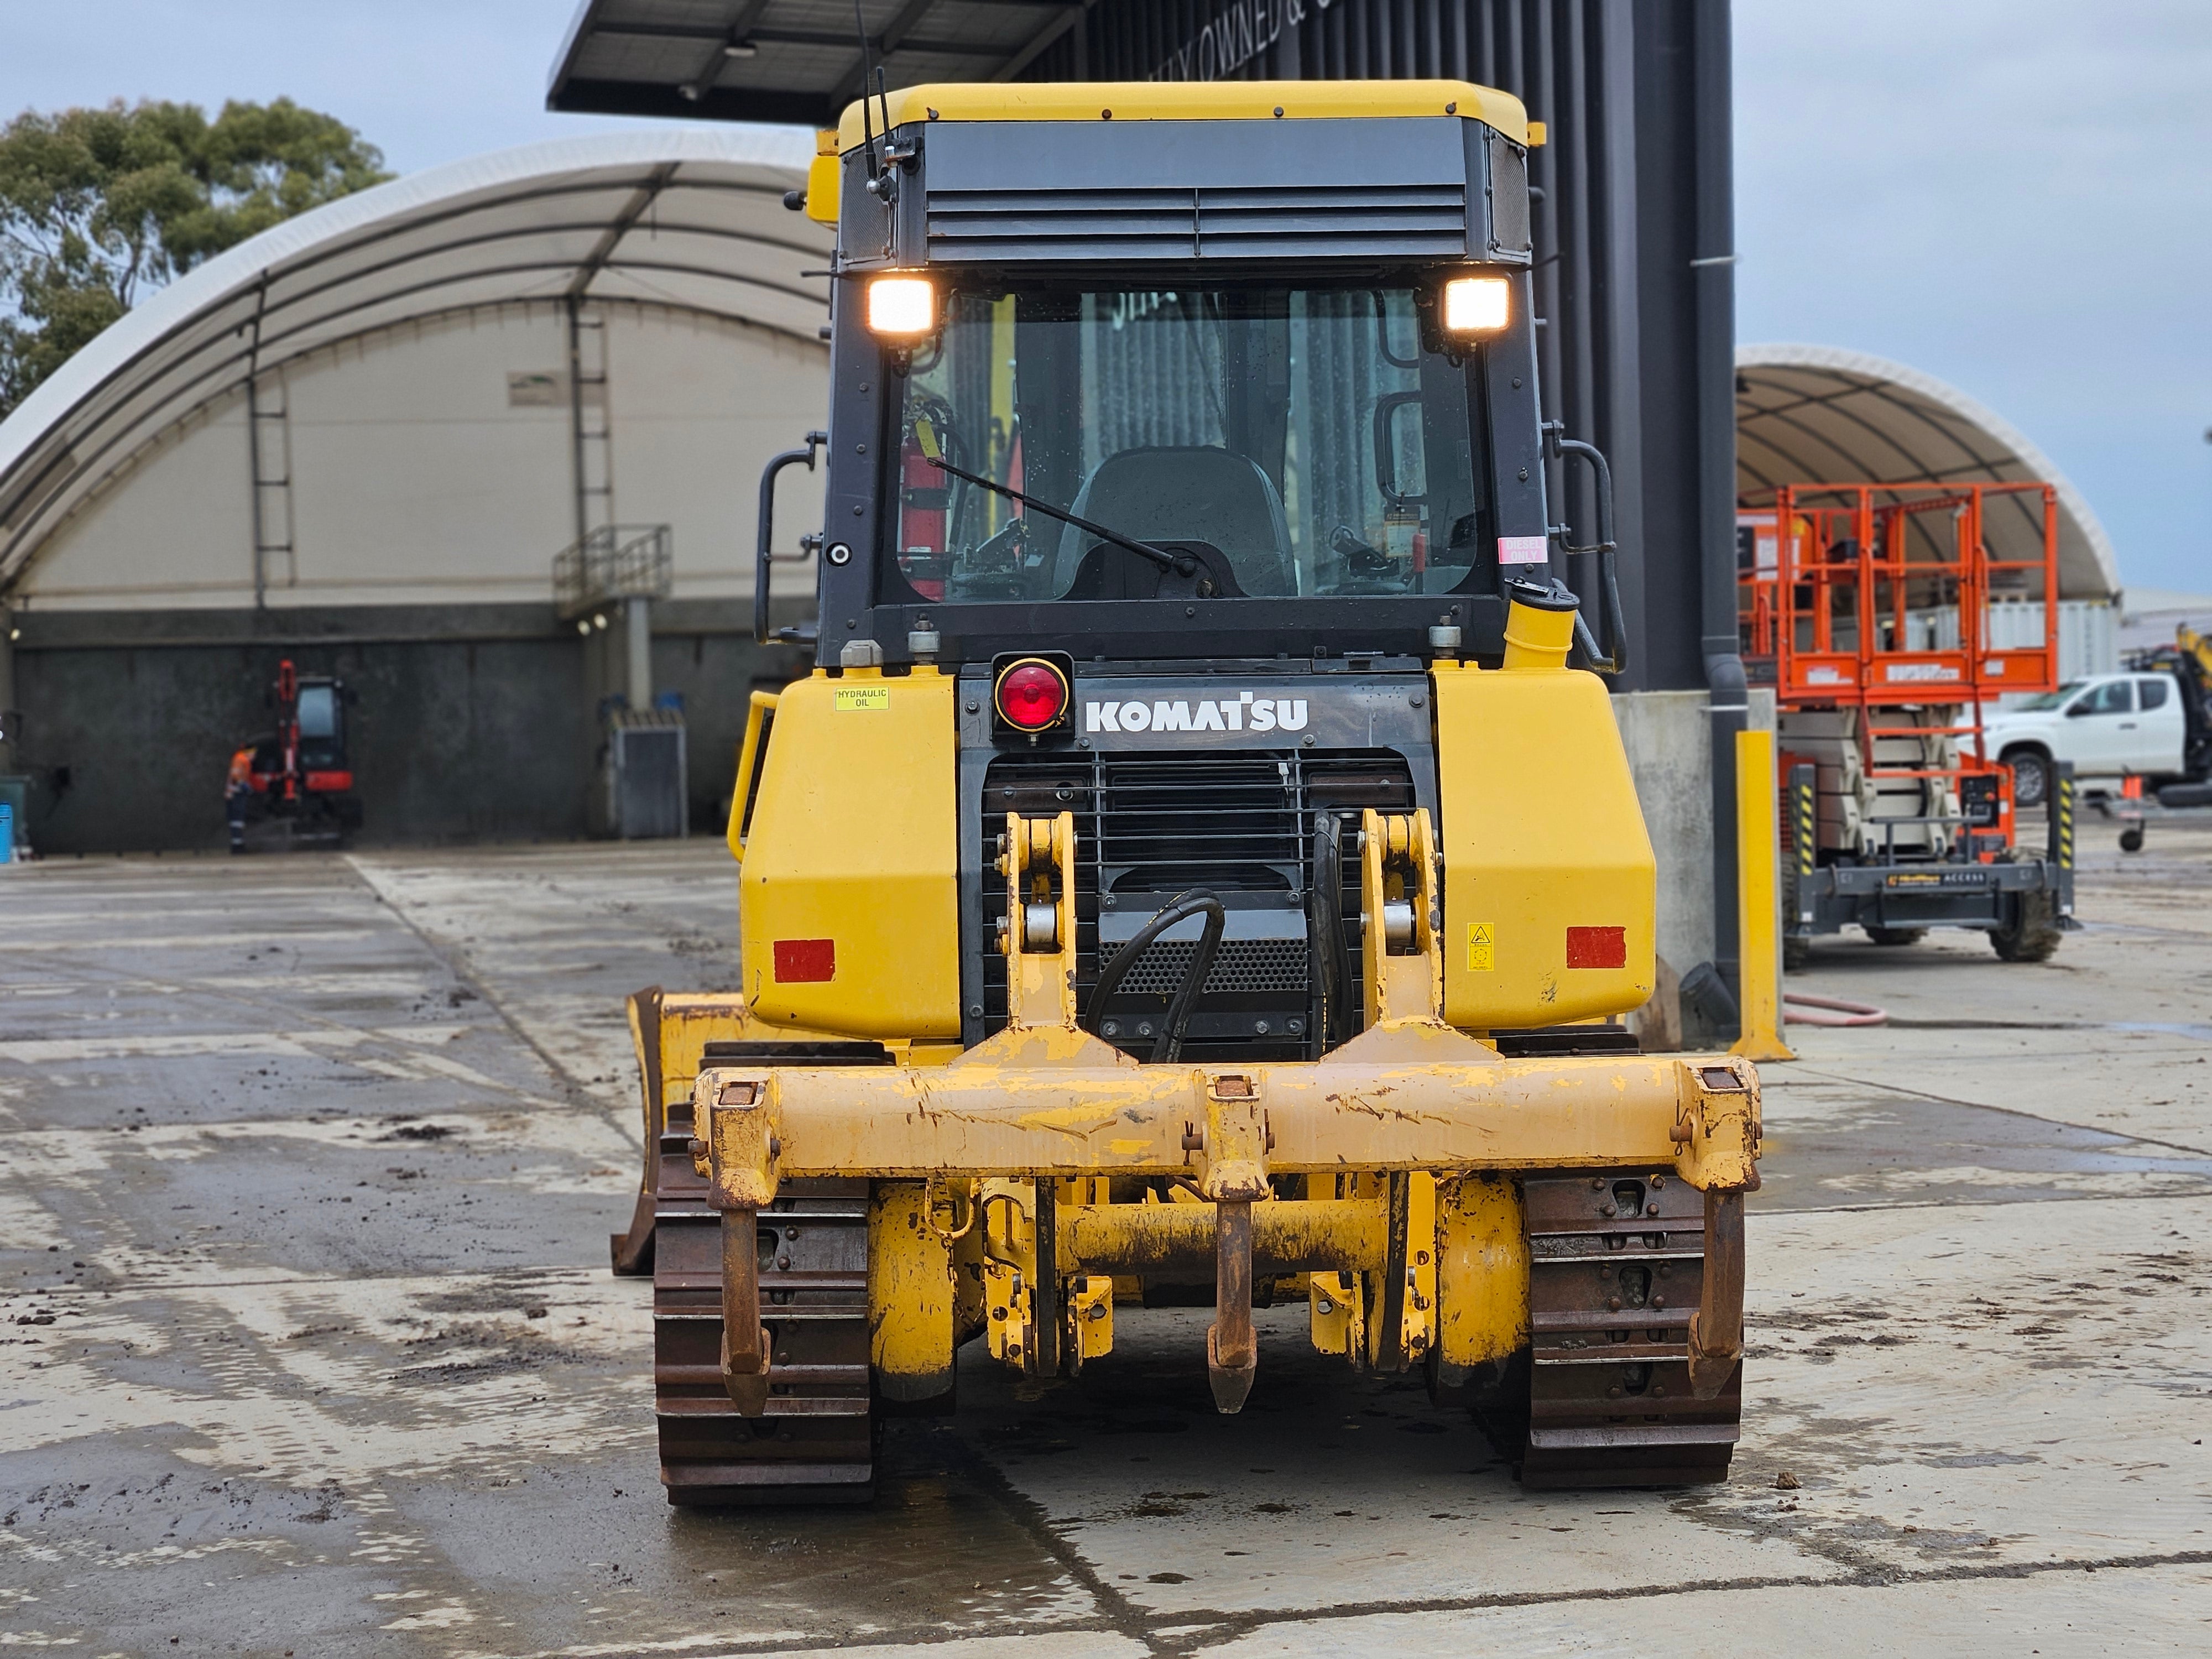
[(1476, 305), (905, 306)]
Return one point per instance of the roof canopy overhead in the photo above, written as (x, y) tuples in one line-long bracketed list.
[(691, 218), (1816, 414), (786, 60)]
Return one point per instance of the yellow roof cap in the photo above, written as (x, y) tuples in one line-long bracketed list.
[(1192, 101)]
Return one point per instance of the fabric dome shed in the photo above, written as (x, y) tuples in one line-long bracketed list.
[(1817, 414), (689, 220), (362, 439)]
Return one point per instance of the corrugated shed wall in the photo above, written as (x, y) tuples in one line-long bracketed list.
[(1613, 230)]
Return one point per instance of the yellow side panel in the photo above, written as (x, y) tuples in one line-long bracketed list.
[(825, 177), (852, 864), (1545, 852), (1186, 100)]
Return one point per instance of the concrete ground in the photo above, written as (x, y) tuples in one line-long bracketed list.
[(308, 1345)]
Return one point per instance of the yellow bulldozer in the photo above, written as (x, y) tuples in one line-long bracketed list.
[(1203, 865)]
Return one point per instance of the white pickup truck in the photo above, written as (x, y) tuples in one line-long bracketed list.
[(2110, 726)]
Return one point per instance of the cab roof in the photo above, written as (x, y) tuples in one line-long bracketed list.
[(1190, 100)]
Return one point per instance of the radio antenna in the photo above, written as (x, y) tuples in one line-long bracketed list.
[(868, 73)]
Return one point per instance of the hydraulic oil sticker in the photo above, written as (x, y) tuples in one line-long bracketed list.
[(1481, 947), (875, 697)]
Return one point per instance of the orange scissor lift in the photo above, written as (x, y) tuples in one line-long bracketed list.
[(1884, 620)]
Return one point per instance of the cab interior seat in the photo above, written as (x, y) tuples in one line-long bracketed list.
[(1194, 492)]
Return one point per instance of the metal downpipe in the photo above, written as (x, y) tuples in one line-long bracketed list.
[(1714, 266)]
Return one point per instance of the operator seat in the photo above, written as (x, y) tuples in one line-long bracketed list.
[(1186, 493)]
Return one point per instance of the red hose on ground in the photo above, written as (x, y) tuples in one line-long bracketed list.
[(1799, 1008)]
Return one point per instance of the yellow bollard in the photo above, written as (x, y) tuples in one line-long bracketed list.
[(1759, 903)]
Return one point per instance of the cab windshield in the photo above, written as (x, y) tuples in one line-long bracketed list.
[(1298, 441), (2042, 700)]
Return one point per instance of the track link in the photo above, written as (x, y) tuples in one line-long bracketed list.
[(817, 1442), (1616, 1267)]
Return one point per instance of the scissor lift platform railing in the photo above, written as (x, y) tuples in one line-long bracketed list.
[(1880, 598)]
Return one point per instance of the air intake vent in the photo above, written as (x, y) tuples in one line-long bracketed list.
[(1146, 827), (1253, 221)]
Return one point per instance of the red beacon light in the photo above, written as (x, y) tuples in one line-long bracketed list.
[(1031, 694)]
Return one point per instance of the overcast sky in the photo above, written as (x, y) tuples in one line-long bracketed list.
[(2013, 195)]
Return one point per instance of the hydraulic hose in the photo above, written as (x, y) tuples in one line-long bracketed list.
[(1168, 1045), (1325, 929)]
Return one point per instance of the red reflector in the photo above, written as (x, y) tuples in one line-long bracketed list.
[(1032, 694), (806, 961), (1596, 947)]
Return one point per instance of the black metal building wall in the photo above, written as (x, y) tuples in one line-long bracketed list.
[(1625, 345)]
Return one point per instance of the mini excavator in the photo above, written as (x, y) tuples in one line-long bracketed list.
[(294, 787)]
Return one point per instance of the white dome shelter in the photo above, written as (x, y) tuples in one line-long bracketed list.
[(362, 438), (1817, 414)]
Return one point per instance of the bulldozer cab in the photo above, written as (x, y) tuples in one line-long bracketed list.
[(1295, 351), (1302, 440)]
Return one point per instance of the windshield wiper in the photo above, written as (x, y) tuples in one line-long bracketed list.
[(1182, 563)]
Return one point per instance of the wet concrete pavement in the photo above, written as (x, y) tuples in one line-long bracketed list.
[(308, 1346)]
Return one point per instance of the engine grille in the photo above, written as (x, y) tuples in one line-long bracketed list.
[(1231, 822), (1149, 827), (1239, 964)]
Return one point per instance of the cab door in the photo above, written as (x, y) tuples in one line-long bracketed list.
[(2162, 727), (2100, 729)]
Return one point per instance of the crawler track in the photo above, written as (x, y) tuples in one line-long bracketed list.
[(1616, 1267), (816, 1443)]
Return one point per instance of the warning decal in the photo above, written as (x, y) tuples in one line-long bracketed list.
[(1481, 947)]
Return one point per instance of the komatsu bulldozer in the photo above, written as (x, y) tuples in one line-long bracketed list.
[(1201, 867)]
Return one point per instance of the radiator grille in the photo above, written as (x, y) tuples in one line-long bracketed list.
[(1179, 222), (1226, 822), (1148, 827)]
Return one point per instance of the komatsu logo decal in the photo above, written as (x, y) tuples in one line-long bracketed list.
[(1245, 712)]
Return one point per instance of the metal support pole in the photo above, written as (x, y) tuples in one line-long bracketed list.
[(579, 482), (2060, 812), (10, 716), (637, 650), (1713, 270), (1805, 844), (1759, 903), (253, 443)]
